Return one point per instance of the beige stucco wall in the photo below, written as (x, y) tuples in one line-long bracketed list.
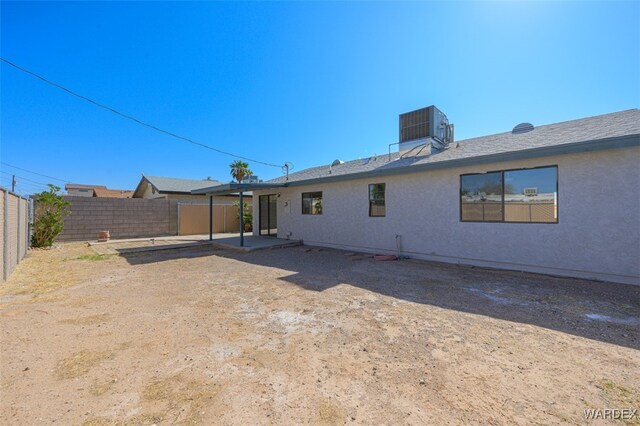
[(598, 234), (148, 192)]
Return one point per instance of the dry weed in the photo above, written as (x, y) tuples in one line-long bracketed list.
[(88, 320), (185, 399), (80, 363)]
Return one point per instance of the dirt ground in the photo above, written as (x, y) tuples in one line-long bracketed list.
[(307, 336)]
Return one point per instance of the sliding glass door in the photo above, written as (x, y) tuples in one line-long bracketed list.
[(268, 215)]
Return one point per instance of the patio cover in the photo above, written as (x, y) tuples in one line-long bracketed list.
[(235, 188), (232, 188)]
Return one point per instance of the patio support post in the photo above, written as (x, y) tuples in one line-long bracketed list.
[(210, 217), (241, 220)]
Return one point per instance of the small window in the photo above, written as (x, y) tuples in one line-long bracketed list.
[(376, 200), (525, 196), (312, 203)]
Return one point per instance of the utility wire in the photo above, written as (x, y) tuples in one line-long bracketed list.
[(8, 181), (29, 186), (24, 178), (35, 173), (21, 188), (129, 117)]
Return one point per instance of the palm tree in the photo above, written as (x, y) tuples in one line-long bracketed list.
[(239, 170)]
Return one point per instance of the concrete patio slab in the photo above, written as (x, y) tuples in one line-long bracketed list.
[(225, 241)]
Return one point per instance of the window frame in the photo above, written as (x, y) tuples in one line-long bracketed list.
[(302, 197), (501, 193), (384, 199), (502, 203)]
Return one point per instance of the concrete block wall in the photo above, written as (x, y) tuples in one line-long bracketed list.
[(122, 217)]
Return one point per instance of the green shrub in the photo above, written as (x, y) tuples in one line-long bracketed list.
[(50, 212), (247, 217)]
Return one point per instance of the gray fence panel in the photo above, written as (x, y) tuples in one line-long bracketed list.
[(14, 232)]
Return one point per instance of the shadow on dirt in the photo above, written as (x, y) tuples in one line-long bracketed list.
[(601, 311), (146, 257)]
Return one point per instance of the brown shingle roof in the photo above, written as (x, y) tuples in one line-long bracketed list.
[(112, 193)]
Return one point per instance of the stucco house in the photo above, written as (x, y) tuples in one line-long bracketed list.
[(559, 199)]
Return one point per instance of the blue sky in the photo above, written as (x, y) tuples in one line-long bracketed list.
[(299, 82)]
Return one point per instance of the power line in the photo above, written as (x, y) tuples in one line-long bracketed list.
[(8, 181), (22, 184), (129, 117), (21, 188), (35, 173), (24, 178)]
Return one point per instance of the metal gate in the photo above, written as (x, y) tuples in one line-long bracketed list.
[(268, 215)]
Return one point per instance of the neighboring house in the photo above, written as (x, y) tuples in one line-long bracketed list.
[(154, 187), (78, 190), (100, 191), (560, 199)]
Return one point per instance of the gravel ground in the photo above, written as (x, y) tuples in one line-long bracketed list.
[(307, 336)]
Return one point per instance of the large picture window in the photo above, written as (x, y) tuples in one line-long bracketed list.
[(527, 196), (376, 200), (312, 203), (481, 197)]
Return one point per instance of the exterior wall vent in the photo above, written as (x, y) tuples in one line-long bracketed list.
[(522, 128), (425, 126)]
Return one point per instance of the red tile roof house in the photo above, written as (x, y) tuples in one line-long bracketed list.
[(558, 199)]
